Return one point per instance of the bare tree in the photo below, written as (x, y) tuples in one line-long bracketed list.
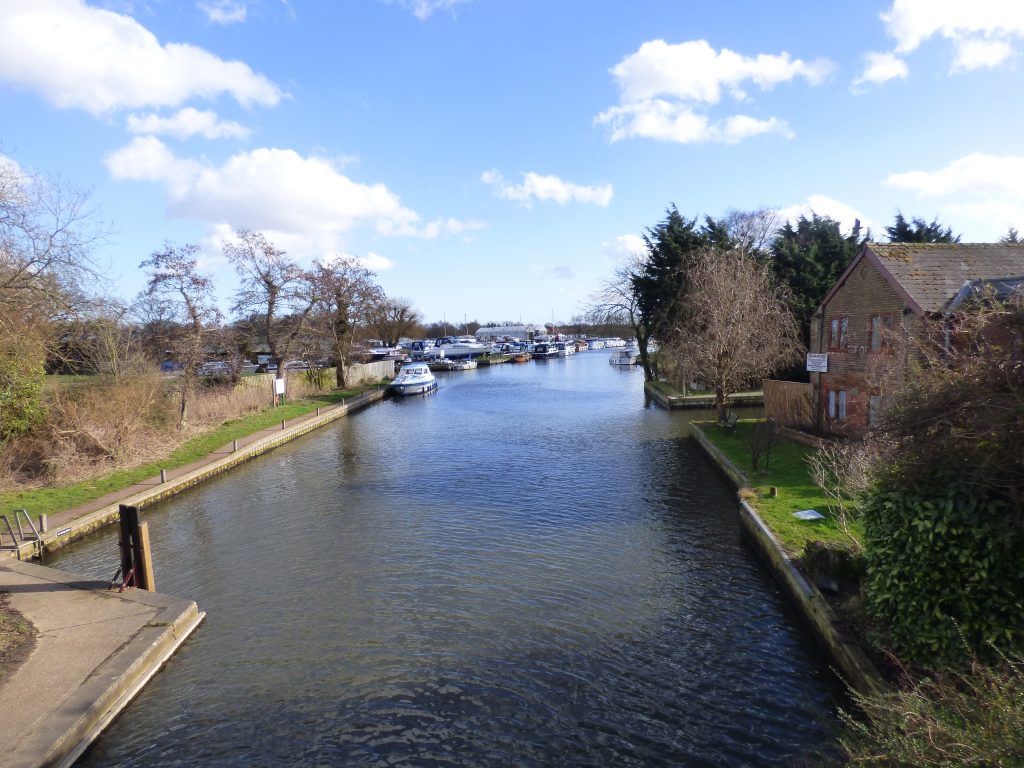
[(275, 291), (346, 295), (46, 232), (187, 298), (734, 326), (617, 301), (752, 232), (392, 319)]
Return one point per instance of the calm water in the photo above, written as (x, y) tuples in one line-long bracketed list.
[(529, 567)]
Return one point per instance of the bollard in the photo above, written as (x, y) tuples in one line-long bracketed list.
[(234, 446), (773, 491), (282, 423), (163, 475), (318, 410), (44, 523)]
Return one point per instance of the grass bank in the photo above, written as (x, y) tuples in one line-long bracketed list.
[(50, 500), (787, 470)]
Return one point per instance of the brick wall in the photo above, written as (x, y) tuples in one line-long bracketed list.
[(864, 298)]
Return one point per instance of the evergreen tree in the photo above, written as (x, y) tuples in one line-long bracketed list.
[(809, 258), (918, 231)]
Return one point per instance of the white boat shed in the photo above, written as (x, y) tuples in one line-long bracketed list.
[(501, 332)]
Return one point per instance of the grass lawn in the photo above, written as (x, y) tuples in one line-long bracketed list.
[(57, 499), (788, 471)]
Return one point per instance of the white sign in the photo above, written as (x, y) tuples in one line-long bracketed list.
[(817, 363), (278, 386)]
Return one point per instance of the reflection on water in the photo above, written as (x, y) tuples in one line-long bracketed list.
[(528, 567)]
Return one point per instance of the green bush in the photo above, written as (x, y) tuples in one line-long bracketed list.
[(945, 573), (22, 378)]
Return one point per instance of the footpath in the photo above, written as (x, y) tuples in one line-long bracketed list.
[(95, 647)]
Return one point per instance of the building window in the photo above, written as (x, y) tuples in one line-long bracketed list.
[(839, 337), (837, 404), (881, 326), (874, 409)]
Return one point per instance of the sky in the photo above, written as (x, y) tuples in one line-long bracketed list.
[(495, 160)]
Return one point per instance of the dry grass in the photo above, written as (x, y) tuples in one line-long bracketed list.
[(105, 425)]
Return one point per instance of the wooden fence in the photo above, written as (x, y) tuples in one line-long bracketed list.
[(788, 403)]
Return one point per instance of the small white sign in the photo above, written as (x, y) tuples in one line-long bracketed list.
[(278, 386), (817, 363), (808, 514)]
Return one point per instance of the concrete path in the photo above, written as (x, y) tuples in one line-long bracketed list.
[(95, 649)]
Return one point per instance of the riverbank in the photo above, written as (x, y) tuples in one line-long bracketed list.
[(670, 399), (852, 664), (95, 650), (70, 524)]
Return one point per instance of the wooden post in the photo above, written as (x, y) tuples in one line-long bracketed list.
[(234, 446), (125, 538), (282, 423), (44, 523), (144, 561), (163, 475)]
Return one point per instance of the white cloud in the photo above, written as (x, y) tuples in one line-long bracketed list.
[(185, 123), (375, 262), (975, 174), (677, 122), (88, 58), (822, 205), (624, 248), (303, 203), (539, 187), (664, 87), (882, 67), (224, 11), (424, 9), (982, 31)]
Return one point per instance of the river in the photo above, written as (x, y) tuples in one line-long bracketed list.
[(529, 567)]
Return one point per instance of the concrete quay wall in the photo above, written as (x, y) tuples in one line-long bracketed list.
[(850, 661)]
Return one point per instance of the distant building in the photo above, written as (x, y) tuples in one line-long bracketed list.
[(887, 288), (508, 332)]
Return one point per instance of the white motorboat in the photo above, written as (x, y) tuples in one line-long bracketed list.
[(626, 356), (544, 351), (456, 346), (414, 379), (465, 364)]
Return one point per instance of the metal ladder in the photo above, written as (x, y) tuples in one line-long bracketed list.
[(22, 537)]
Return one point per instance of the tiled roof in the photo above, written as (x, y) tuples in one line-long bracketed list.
[(933, 273)]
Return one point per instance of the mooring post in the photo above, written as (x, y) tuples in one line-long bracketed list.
[(318, 410), (144, 560), (163, 475), (282, 423), (234, 446), (44, 523)]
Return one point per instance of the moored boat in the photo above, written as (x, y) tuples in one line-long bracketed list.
[(414, 379), (624, 356)]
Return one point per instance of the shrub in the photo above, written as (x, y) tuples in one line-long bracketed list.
[(943, 567), (975, 719)]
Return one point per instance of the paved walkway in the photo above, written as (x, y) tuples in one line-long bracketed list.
[(95, 649)]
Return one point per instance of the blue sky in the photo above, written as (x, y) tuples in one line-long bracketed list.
[(495, 159)]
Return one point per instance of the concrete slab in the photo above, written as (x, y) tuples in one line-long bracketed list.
[(94, 651)]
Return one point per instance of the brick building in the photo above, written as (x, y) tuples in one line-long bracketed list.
[(888, 288)]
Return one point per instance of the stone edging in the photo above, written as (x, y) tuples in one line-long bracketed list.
[(677, 402), (854, 667), (54, 540)]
